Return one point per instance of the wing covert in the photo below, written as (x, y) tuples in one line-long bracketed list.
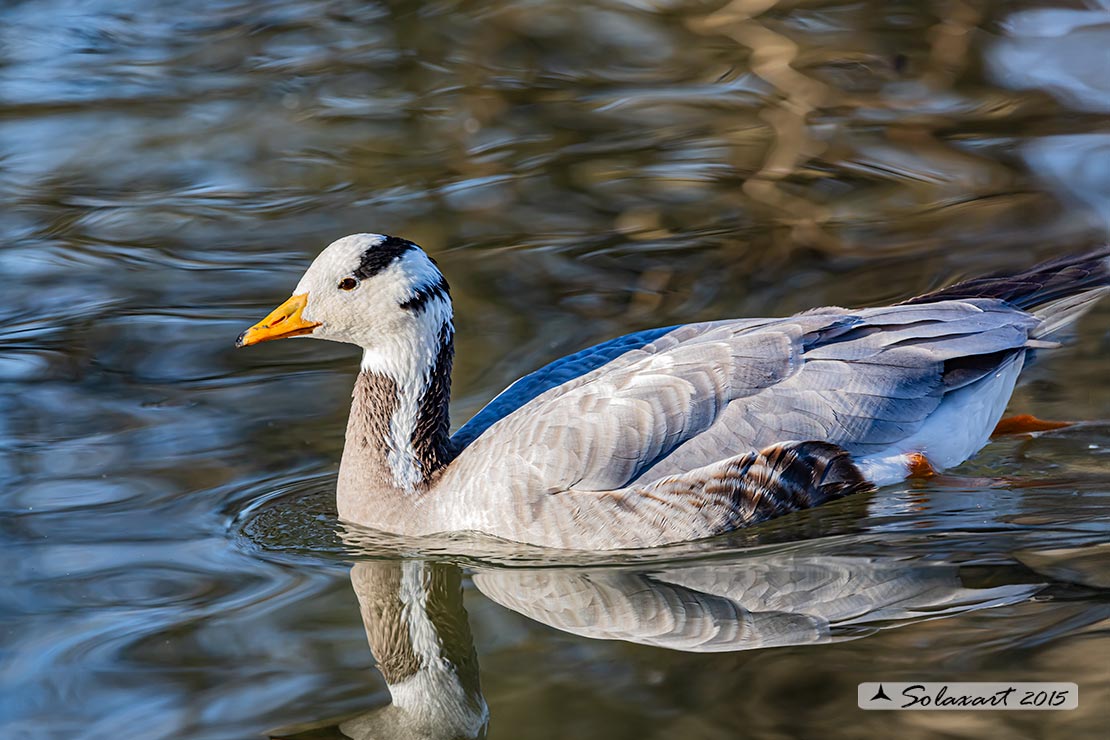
[(697, 394)]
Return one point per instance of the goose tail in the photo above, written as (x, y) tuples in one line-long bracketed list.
[(1057, 292)]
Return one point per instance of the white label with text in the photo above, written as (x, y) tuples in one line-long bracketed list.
[(967, 695)]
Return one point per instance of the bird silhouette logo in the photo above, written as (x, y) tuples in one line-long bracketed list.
[(880, 694)]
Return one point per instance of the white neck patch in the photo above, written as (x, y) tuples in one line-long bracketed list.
[(408, 358)]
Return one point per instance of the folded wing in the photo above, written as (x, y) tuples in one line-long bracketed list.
[(701, 393)]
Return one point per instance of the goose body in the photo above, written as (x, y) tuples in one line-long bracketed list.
[(670, 434)]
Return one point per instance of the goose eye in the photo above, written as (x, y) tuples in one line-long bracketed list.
[(348, 283)]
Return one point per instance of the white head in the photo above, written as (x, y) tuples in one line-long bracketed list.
[(379, 292), (388, 297)]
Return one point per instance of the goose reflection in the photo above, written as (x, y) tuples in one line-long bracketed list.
[(742, 604), (419, 634), (420, 637)]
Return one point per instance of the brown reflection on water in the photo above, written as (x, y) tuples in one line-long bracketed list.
[(773, 56)]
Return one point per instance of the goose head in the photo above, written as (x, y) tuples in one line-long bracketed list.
[(385, 295), (382, 293)]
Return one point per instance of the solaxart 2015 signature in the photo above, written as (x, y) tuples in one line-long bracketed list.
[(967, 695), (918, 695)]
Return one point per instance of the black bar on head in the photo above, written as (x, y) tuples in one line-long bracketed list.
[(382, 255)]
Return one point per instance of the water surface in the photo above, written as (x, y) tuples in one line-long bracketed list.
[(579, 170)]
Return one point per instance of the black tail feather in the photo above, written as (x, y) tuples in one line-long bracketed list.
[(1041, 284)]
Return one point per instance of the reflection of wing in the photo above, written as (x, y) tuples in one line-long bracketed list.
[(637, 608), (769, 601), (1088, 565)]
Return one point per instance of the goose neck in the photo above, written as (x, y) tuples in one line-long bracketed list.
[(400, 420)]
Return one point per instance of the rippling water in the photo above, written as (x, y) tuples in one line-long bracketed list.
[(579, 170)]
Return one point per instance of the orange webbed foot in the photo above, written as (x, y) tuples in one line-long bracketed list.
[(1026, 424)]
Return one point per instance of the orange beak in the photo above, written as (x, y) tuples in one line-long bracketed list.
[(284, 321)]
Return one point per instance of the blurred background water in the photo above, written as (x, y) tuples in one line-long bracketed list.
[(580, 170)]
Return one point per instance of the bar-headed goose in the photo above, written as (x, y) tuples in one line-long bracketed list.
[(669, 434)]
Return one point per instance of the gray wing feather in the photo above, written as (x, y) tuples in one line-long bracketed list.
[(598, 431), (864, 390), (578, 368), (705, 392)]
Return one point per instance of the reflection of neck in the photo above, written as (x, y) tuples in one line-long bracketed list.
[(399, 424), (419, 634)]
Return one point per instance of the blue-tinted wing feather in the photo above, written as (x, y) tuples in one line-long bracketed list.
[(549, 376)]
